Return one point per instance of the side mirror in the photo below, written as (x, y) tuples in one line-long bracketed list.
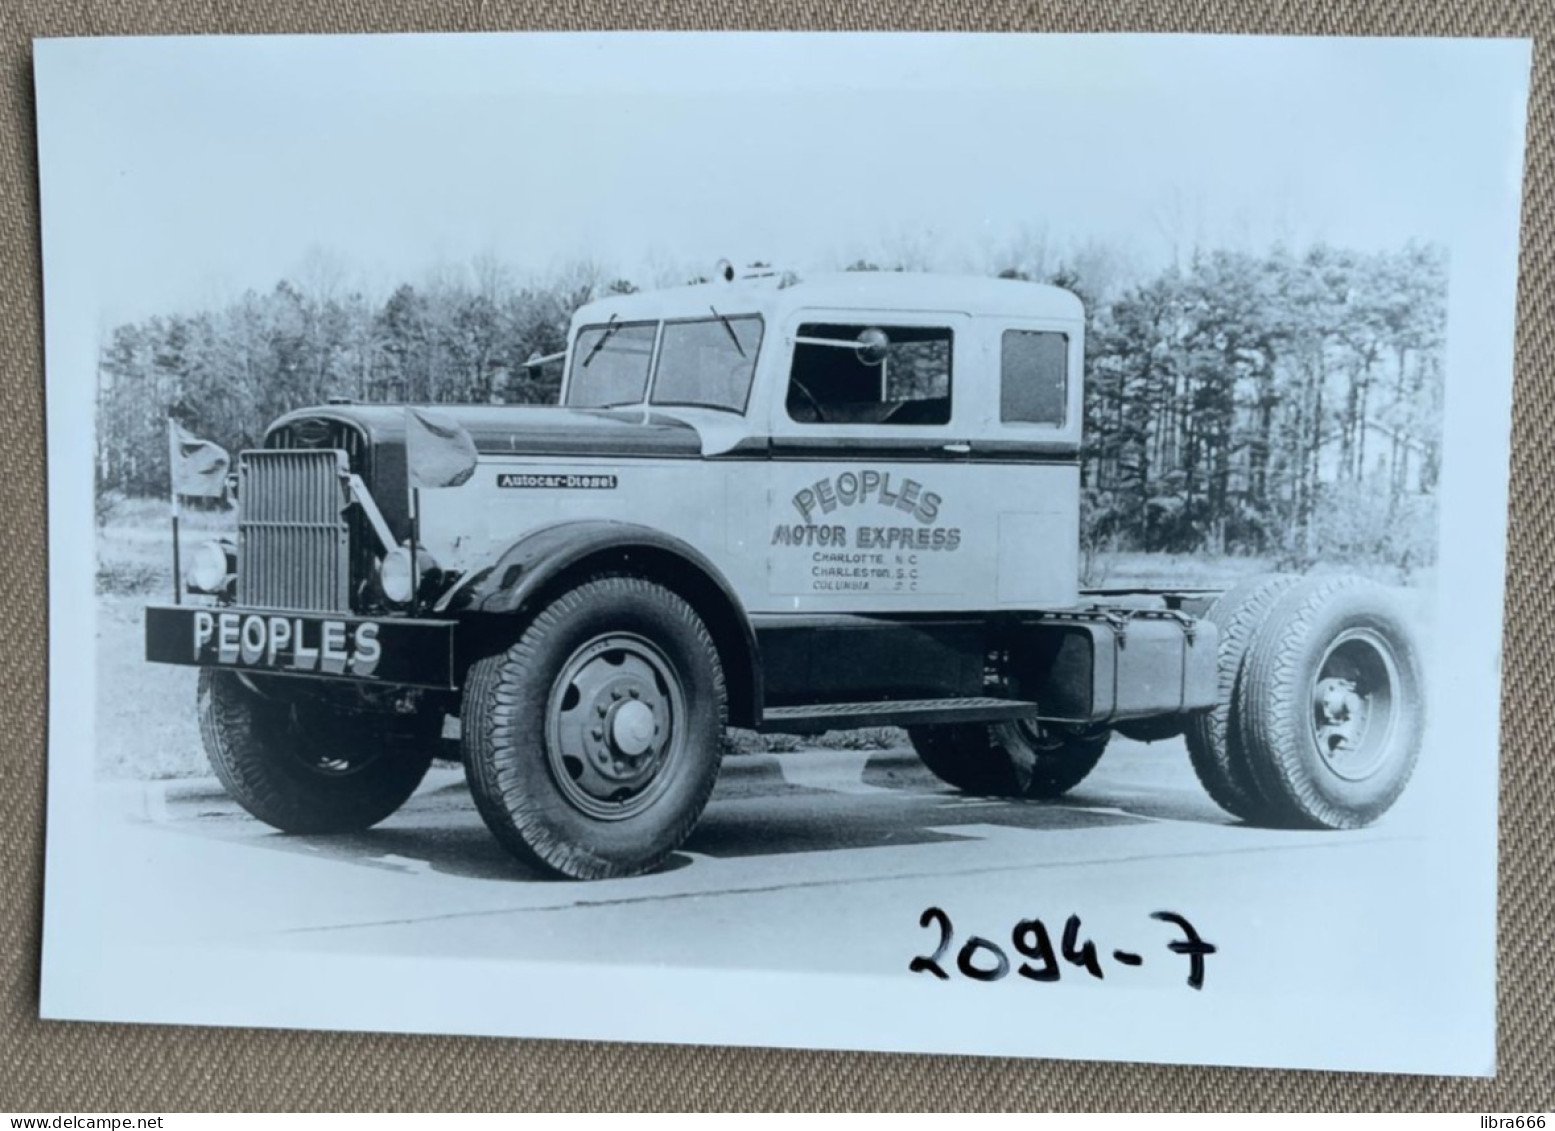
[(872, 347), (537, 359)]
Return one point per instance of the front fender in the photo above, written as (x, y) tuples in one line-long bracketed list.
[(508, 582), (526, 573)]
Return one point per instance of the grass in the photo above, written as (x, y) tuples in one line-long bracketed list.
[(867, 738), (146, 725), (134, 544), (1123, 569)]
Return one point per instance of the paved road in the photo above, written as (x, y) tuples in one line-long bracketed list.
[(819, 861)]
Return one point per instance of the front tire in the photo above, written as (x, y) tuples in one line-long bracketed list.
[(592, 744), (1332, 704), (1014, 759), (304, 766)]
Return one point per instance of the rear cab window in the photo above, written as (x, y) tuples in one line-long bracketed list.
[(1034, 377)]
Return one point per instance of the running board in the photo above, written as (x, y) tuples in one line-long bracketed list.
[(897, 712)]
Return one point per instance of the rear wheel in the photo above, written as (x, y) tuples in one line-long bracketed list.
[(1014, 759), (304, 765), (1332, 704), (592, 744), (1214, 737)]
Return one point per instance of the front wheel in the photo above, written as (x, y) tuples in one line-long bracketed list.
[(592, 744), (1332, 704), (304, 765), (1014, 759)]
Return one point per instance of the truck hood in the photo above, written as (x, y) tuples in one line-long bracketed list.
[(541, 430), (520, 430)]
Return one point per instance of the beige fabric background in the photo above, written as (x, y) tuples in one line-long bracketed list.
[(81, 1067)]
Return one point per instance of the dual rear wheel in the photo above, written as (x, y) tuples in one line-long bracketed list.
[(1321, 712), (1318, 719)]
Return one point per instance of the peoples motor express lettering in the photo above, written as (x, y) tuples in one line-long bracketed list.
[(298, 644), (854, 488), (869, 537), (867, 557), (857, 488)]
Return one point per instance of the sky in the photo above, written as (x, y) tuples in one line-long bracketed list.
[(189, 170)]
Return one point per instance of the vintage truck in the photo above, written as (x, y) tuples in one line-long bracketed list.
[(769, 502)]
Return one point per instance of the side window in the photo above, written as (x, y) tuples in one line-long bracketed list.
[(1033, 382), (870, 374)]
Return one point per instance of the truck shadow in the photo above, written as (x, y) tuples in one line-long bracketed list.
[(829, 823), (891, 803), (440, 833)]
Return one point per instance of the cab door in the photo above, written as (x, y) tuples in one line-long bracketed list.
[(873, 504)]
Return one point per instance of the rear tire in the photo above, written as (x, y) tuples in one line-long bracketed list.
[(1014, 759), (592, 744), (303, 766), (1332, 704), (1214, 737)]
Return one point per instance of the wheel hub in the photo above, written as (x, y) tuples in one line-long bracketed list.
[(632, 728), (1353, 704), (611, 729)]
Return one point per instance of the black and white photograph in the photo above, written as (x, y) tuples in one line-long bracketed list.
[(976, 544)]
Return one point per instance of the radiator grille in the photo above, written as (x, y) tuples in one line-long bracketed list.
[(294, 541), (311, 432)]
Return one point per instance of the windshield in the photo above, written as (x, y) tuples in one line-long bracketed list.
[(708, 363), (610, 364)]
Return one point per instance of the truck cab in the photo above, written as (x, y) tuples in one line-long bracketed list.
[(855, 443)]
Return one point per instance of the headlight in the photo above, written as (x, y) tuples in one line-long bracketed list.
[(394, 575), (210, 567)]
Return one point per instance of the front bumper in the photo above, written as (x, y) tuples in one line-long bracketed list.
[(400, 651)]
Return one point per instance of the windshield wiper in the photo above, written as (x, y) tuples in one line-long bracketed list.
[(728, 329), (610, 328)]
